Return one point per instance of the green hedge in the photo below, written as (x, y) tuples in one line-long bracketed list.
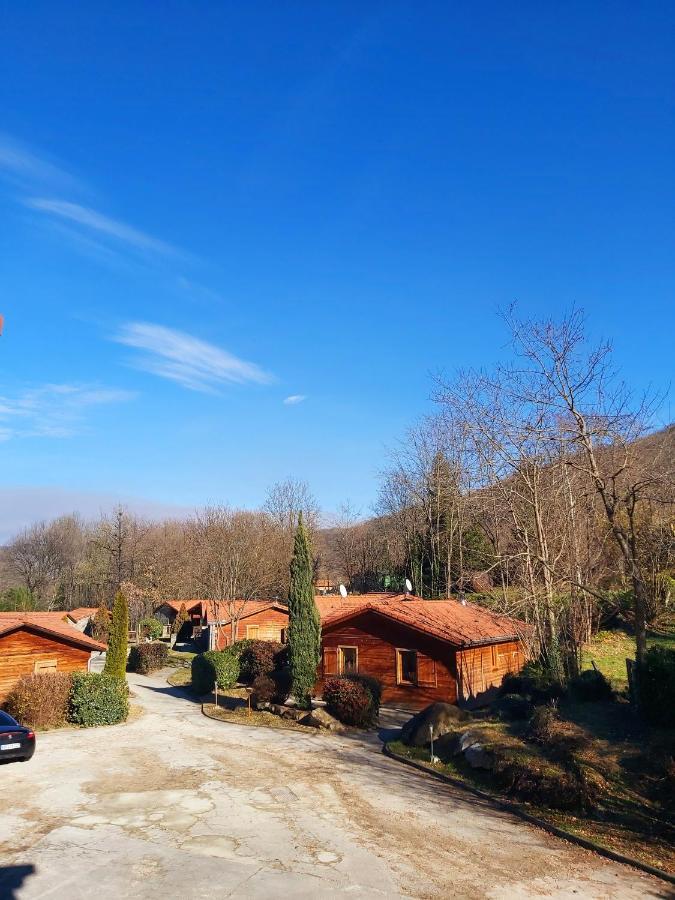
[(146, 658), (98, 699), (215, 665)]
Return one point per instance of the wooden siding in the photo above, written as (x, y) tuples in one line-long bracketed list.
[(377, 641), (22, 649), (480, 669), (269, 622)]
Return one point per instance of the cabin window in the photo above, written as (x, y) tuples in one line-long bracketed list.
[(406, 666), (348, 660), (252, 632), (44, 665)]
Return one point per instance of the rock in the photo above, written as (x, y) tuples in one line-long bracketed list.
[(292, 713), (319, 718), (453, 743), (478, 757), (442, 717)]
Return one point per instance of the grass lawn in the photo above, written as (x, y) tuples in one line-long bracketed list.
[(182, 677), (610, 649)]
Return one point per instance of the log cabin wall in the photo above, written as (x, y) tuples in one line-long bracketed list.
[(377, 641), (480, 670), (266, 625), (22, 649)]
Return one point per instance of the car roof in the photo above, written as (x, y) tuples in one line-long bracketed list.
[(6, 719)]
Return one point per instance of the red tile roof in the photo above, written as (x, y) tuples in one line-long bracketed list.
[(51, 624), (448, 620), (82, 612), (219, 611), (176, 604)]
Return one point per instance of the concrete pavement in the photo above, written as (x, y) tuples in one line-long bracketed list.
[(175, 805)]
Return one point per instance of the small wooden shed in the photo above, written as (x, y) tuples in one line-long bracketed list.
[(41, 642)]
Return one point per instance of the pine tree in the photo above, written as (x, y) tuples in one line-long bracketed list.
[(304, 625), (116, 657)]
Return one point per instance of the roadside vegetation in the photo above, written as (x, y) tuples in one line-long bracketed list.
[(52, 700), (576, 756)]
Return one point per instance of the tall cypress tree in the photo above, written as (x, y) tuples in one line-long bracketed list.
[(304, 625), (116, 657)]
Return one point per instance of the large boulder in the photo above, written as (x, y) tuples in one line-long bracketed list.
[(478, 757), (455, 742), (442, 718), (319, 718)]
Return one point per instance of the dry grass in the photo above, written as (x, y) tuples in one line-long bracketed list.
[(182, 677), (239, 715)]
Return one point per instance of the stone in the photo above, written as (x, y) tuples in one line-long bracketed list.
[(443, 718), (292, 713), (478, 757), (319, 718)]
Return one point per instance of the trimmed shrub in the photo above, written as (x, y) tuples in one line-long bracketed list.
[(657, 687), (151, 628), (40, 701), (146, 658), (349, 699), (591, 686), (98, 699), (514, 707), (263, 690), (221, 666), (283, 681), (259, 658)]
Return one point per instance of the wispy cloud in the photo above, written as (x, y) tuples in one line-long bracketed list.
[(93, 221), (53, 410), (191, 362), (294, 399), (21, 165)]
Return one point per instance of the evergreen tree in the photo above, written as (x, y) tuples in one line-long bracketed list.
[(116, 657), (304, 625)]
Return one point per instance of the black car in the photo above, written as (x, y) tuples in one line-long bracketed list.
[(16, 742)]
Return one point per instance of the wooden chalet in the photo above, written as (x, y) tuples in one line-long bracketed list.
[(41, 642), (421, 650)]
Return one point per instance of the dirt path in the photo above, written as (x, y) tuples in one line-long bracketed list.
[(174, 804)]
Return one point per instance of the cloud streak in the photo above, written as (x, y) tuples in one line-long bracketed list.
[(187, 360), (93, 221), (294, 399), (19, 164), (53, 410)]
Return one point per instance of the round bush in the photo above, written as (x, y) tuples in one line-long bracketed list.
[(591, 686), (259, 658), (98, 699), (40, 701), (350, 701), (215, 666), (263, 690)]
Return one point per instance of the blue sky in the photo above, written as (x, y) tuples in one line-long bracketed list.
[(209, 208)]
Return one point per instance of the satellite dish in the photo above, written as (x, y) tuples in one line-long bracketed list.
[(408, 585), (343, 590)]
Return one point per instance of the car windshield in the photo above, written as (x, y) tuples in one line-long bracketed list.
[(6, 719)]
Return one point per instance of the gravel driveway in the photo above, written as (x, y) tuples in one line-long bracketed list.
[(175, 805)]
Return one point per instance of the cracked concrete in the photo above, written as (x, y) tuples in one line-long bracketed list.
[(175, 805)]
